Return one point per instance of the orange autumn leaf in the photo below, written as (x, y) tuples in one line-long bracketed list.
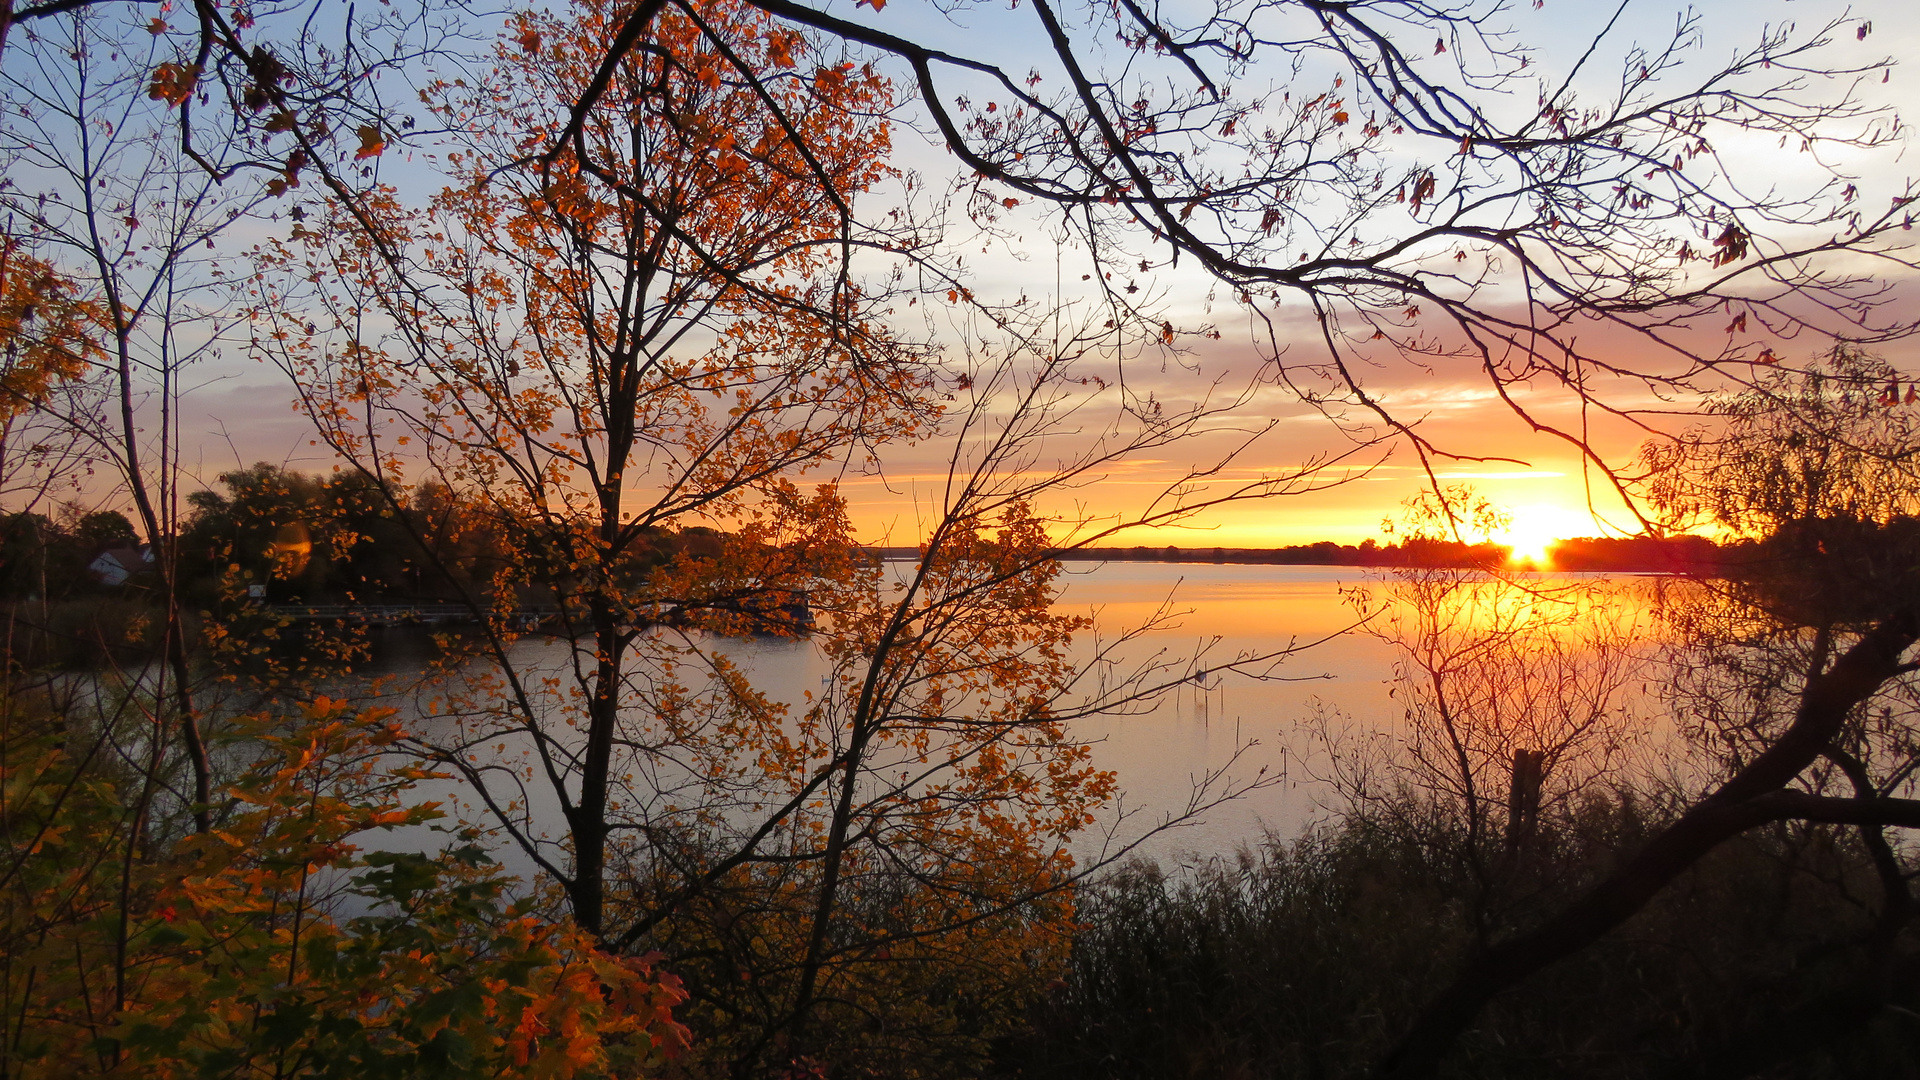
[(372, 142), (173, 83)]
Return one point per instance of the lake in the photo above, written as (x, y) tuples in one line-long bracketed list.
[(1233, 727)]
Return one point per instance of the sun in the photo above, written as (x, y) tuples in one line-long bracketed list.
[(1537, 527)]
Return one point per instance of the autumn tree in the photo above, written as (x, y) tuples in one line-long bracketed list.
[(124, 219), (49, 330), (137, 938), (594, 355)]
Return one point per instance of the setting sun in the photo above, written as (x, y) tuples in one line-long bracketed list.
[(1537, 527)]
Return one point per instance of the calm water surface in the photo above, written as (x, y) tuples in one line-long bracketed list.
[(1232, 727), (1197, 730)]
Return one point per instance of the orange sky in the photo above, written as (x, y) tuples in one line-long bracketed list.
[(1548, 488)]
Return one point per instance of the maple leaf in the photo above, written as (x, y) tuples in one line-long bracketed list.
[(173, 83), (372, 143), (780, 49)]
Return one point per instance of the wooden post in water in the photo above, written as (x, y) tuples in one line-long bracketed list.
[(1523, 795)]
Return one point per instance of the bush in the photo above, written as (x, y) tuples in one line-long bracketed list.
[(220, 954), (1307, 958)]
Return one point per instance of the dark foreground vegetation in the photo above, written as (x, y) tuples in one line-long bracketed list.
[(1776, 955)]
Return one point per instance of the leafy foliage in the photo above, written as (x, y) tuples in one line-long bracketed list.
[(230, 953)]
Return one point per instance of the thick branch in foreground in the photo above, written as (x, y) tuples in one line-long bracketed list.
[(1754, 796)]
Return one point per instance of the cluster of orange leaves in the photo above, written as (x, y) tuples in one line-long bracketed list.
[(233, 953), (48, 333)]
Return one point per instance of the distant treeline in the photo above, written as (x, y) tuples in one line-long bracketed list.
[(281, 536), (1415, 552), (1638, 554), (82, 586), (1694, 555)]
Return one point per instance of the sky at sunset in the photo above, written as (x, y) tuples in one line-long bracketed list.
[(245, 415)]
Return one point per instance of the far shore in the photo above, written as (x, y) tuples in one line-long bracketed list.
[(1637, 554)]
